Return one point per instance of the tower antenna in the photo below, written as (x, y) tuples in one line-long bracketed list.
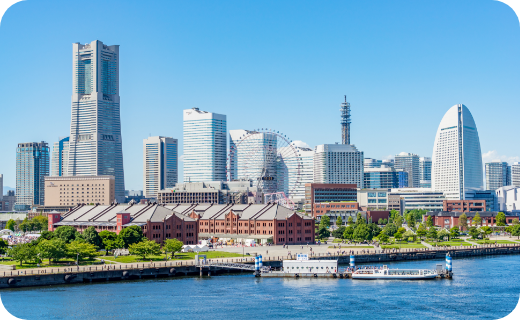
[(345, 122)]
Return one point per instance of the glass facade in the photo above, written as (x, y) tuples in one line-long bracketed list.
[(32, 166), (497, 175), (160, 165)]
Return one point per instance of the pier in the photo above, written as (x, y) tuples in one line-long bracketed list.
[(130, 271)]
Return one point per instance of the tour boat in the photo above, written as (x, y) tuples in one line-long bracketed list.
[(398, 274)]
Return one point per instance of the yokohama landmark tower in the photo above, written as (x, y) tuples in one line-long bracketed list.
[(95, 146)]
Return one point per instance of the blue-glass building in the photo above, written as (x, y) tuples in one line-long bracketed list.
[(32, 165), (385, 178)]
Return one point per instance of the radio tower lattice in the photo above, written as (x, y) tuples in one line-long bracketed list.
[(345, 122)]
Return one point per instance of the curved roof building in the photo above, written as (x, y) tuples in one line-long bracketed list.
[(456, 158)]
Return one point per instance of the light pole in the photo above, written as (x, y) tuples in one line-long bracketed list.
[(77, 259)]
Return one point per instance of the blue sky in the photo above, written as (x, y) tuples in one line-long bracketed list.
[(277, 64)]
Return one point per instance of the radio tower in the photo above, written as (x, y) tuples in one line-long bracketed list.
[(345, 122)]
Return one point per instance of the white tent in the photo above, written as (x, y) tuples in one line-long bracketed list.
[(194, 248)]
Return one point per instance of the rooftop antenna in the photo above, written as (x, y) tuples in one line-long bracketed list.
[(345, 122)]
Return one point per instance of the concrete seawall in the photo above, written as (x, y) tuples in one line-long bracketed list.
[(60, 276)]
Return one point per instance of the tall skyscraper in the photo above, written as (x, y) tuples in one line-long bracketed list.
[(205, 145), (497, 175), (251, 152), (425, 172), (515, 174), (338, 163), (95, 145), (60, 158), (409, 162), (345, 122), (32, 165), (456, 157), (159, 165), (1, 187)]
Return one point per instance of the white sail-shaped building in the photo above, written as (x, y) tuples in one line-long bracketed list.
[(457, 158)]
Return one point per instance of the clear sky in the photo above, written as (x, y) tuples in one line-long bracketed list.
[(269, 64)]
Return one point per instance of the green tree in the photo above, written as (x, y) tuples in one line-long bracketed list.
[(22, 252), (10, 225), (348, 233), (339, 222), (515, 222), (398, 235), (27, 225), (383, 237), (360, 219), (473, 232), (40, 223), (501, 219), (54, 249), (485, 230), (110, 241), (463, 222), (454, 233), (429, 222), (3, 246), (350, 221), (172, 245), (81, 249), (398, 221), (432, 233), (145, 248), (401, 230), (362, 232), (385, 221), (394, 214), (380, 221), (65, 233), (91, 236), (47, 235), (325, 221), (390, 229), (408, 234), (131, 235), (323, 232), (374, 230), (442, 234), (477, 220), (338, 233), (516, 231), (411, 222), (421, 231)]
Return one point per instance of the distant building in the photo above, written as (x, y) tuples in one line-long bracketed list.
[(488, 195), (448, 220), (4, 217), (497, 175), (1, 187), (464, 205), (373, 199), (424, 199), (372, 163), (322, 193), (388, 163), (515, 174), (9, 200), (385, 178), (508, 199), (338, 164), (96, 144), (299, 171), (334, 207), (205, 144), (425, 172), (136, 195), (216, 192), (368, 216), (60, 158), (71, 191), (456, 158), (32, 166), (409, 162), (160, 158)]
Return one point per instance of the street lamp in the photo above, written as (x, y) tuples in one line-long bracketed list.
[(77, 259)]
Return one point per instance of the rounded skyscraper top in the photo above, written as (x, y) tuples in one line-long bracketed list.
[(457, 158)]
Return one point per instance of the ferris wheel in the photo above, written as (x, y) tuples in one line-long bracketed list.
[(269, 159)]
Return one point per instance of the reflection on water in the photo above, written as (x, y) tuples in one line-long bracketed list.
[(483, 288)]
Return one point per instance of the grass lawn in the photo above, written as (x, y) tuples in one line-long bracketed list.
[(493, 241), (45, 263), (178, 256), (450, 243), (360, 247), (404, 246)]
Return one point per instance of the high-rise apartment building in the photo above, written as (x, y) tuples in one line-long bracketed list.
[(32, 166), (515, 174), (409, 162), (338, 163), (205, 144), (250, 153), (425, 172), (497, 175), (456, 157), (372, 163), (95, 145), (60, 158), (160, 158)]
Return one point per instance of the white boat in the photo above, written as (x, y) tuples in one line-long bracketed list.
[(397, 274)]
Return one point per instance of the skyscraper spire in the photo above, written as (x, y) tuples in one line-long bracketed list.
[(345, 122)]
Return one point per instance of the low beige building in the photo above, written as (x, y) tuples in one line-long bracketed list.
[(73, 190)]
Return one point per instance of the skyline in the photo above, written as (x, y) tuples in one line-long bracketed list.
[(375, 85)]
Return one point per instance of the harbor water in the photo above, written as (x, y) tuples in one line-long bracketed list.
[(482, 288)]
